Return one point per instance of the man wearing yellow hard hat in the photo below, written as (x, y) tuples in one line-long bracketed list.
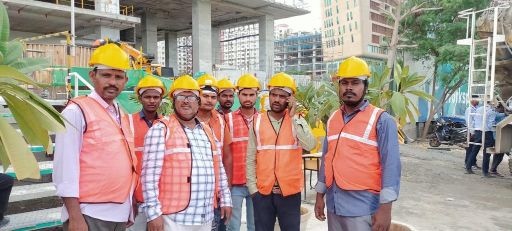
[(209, 116), (274, 158), (360, 170), (226, 96), (238, 123), (182, 170), (149, 91), (94, 165)]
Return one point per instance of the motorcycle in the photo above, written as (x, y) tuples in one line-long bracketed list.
[(449, 131)]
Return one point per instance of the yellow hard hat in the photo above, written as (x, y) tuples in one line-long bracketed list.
[(110, 55), (282, 79), (185, 82), (150, 82), (225, 84), (353, 67), (207, 80), (248, 81)]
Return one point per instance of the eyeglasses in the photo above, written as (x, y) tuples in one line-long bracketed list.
[(190, 98)]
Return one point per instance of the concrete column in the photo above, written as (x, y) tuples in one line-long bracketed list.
[(266, 37), (171, 51), (202, 35), (149, 34), (107, 32), (313, 61), (109, 7), (215, 45)]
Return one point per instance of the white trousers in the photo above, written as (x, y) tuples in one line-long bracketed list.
[(170, 225)]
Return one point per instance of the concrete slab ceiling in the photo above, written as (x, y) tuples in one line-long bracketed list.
[(176, 15), (44, 18)]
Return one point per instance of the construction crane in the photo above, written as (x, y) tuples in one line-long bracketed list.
[(139, 60)]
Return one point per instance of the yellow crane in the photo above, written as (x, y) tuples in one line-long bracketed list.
[(139, 60)]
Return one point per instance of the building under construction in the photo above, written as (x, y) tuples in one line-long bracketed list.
[(144, 23)]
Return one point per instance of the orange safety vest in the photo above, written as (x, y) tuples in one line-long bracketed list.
[(239, 130), (217, 124), (278, 156), (175, 179), (139, 128), (352, 158), (107, 161)]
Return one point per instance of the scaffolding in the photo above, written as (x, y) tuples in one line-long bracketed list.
[(482, 58)]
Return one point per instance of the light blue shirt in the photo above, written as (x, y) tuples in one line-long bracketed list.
[(490, 118), (470, 117), (363, 203)]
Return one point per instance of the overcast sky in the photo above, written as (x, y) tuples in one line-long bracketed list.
[(308, 22)]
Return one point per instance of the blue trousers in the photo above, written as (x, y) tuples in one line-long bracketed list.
[(268, 207), (489, 142)]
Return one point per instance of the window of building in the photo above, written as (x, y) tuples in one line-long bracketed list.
[(337, 20), (339, 30), (347, 5), (350, 27), (351, 16), (343, 29), (337, 9), (375, 39), (355, 24), (355, 3), (352, 36), (348, 16)]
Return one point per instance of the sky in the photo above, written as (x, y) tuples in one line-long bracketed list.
[(308, 22)]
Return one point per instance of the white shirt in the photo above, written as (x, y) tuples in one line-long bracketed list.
[(66, 166)]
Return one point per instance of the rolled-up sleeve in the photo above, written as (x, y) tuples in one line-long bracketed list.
[(387, 139), (304, 135), (320, 185), (66, 162), (152, 163)]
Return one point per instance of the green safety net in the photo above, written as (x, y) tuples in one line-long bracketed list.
[(127, 98)]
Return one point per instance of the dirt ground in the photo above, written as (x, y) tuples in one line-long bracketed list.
[(436, 194)]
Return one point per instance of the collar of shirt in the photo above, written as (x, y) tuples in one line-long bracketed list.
[(198, 125), (239, 111), (220, 111), (112, 109), (347, 116), (143, 116)]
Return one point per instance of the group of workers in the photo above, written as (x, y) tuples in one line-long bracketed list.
[(480, 130), (193, 169)]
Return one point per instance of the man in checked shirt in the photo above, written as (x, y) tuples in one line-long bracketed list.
[(182, 171)]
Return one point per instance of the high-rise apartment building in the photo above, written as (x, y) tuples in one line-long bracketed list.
[(354, 28), (300, 53)]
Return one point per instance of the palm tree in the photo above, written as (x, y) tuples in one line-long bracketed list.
[(34, 117)]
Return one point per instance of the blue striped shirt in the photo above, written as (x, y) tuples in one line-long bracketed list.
[(363, 203)]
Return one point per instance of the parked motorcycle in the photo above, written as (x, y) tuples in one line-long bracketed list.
[(449, 131)]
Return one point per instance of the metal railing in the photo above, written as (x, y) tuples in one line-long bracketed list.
[(77, 78)]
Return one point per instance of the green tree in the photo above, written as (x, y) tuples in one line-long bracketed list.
[(433, 35), (34, 117)]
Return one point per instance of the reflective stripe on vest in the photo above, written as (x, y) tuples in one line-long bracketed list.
[(278, 156), (175, 179), (217, 125), (139, 127), (107, 162), (239, 130), (352, 159)]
